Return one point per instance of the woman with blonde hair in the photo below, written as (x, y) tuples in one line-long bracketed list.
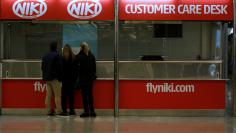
[(86, 76), (68, 79)]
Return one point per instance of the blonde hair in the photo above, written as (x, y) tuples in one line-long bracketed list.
[(84, 47), (68, 48)]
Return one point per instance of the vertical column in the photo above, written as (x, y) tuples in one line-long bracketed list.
[(206, 40), (1, 41), (116, 60), (228, 99), (234, 60), (1, 57), (225, 51)]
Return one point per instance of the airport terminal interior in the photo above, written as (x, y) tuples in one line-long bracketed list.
[(161, 66), (195, 52)]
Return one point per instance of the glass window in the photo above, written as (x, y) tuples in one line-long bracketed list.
[(28, 40), (172, 41), (170, 49)]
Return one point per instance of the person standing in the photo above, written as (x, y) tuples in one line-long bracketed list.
[(52, 74), (87, 75), (68, 80)]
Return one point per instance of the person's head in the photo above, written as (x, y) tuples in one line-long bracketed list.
[(67, 52), (53, 46), (84, 48)]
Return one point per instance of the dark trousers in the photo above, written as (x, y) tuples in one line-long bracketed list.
[(87, 97), (67, 96)]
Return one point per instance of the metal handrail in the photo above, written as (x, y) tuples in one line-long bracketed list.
[(176, 61), (178, 79), (208, 61)]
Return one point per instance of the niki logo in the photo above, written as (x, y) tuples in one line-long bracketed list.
[(84, 9), (29, 9)]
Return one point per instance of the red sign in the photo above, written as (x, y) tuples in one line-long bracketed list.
[(168, 94), (31, 94), (176, 10), (136, 94), (57, 9)]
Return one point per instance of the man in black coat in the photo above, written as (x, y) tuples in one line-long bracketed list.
[(86, 74), (52, 74)]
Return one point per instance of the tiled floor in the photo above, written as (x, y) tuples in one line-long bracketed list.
[(43, 124)]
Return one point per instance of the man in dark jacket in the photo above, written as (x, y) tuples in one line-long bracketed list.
[(87, 74), (52, 74)]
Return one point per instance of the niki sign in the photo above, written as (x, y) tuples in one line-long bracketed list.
[(29, 9), (84, 9), (57, 9), (176, 9)]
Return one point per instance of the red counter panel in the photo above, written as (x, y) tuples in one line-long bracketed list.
[(167, 94), (31, 94), (134, 94)]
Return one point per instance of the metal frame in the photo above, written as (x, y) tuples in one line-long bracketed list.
[(1, 41), (173, 112), (1, 57), (224, 55), (127, 112), (0, 87), (41, 111), (234, 62), (228, 99), (116, 64), (10, 70), (116, 60), (228, 84), (204, 61)]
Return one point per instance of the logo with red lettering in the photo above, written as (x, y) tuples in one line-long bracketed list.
[(29, 9), (84, 9)]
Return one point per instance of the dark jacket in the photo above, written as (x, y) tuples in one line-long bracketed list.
[(69, 72), (86, 68), (52, 66)]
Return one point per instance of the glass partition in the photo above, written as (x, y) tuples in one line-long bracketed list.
[(30, 40), (31, 69), (147, 49), (148, 70), (170, 50), (26, 42)]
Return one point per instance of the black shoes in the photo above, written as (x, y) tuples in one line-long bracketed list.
[(63, 114), (86, 114), (93, 114), (72, 113), (52, 113)]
